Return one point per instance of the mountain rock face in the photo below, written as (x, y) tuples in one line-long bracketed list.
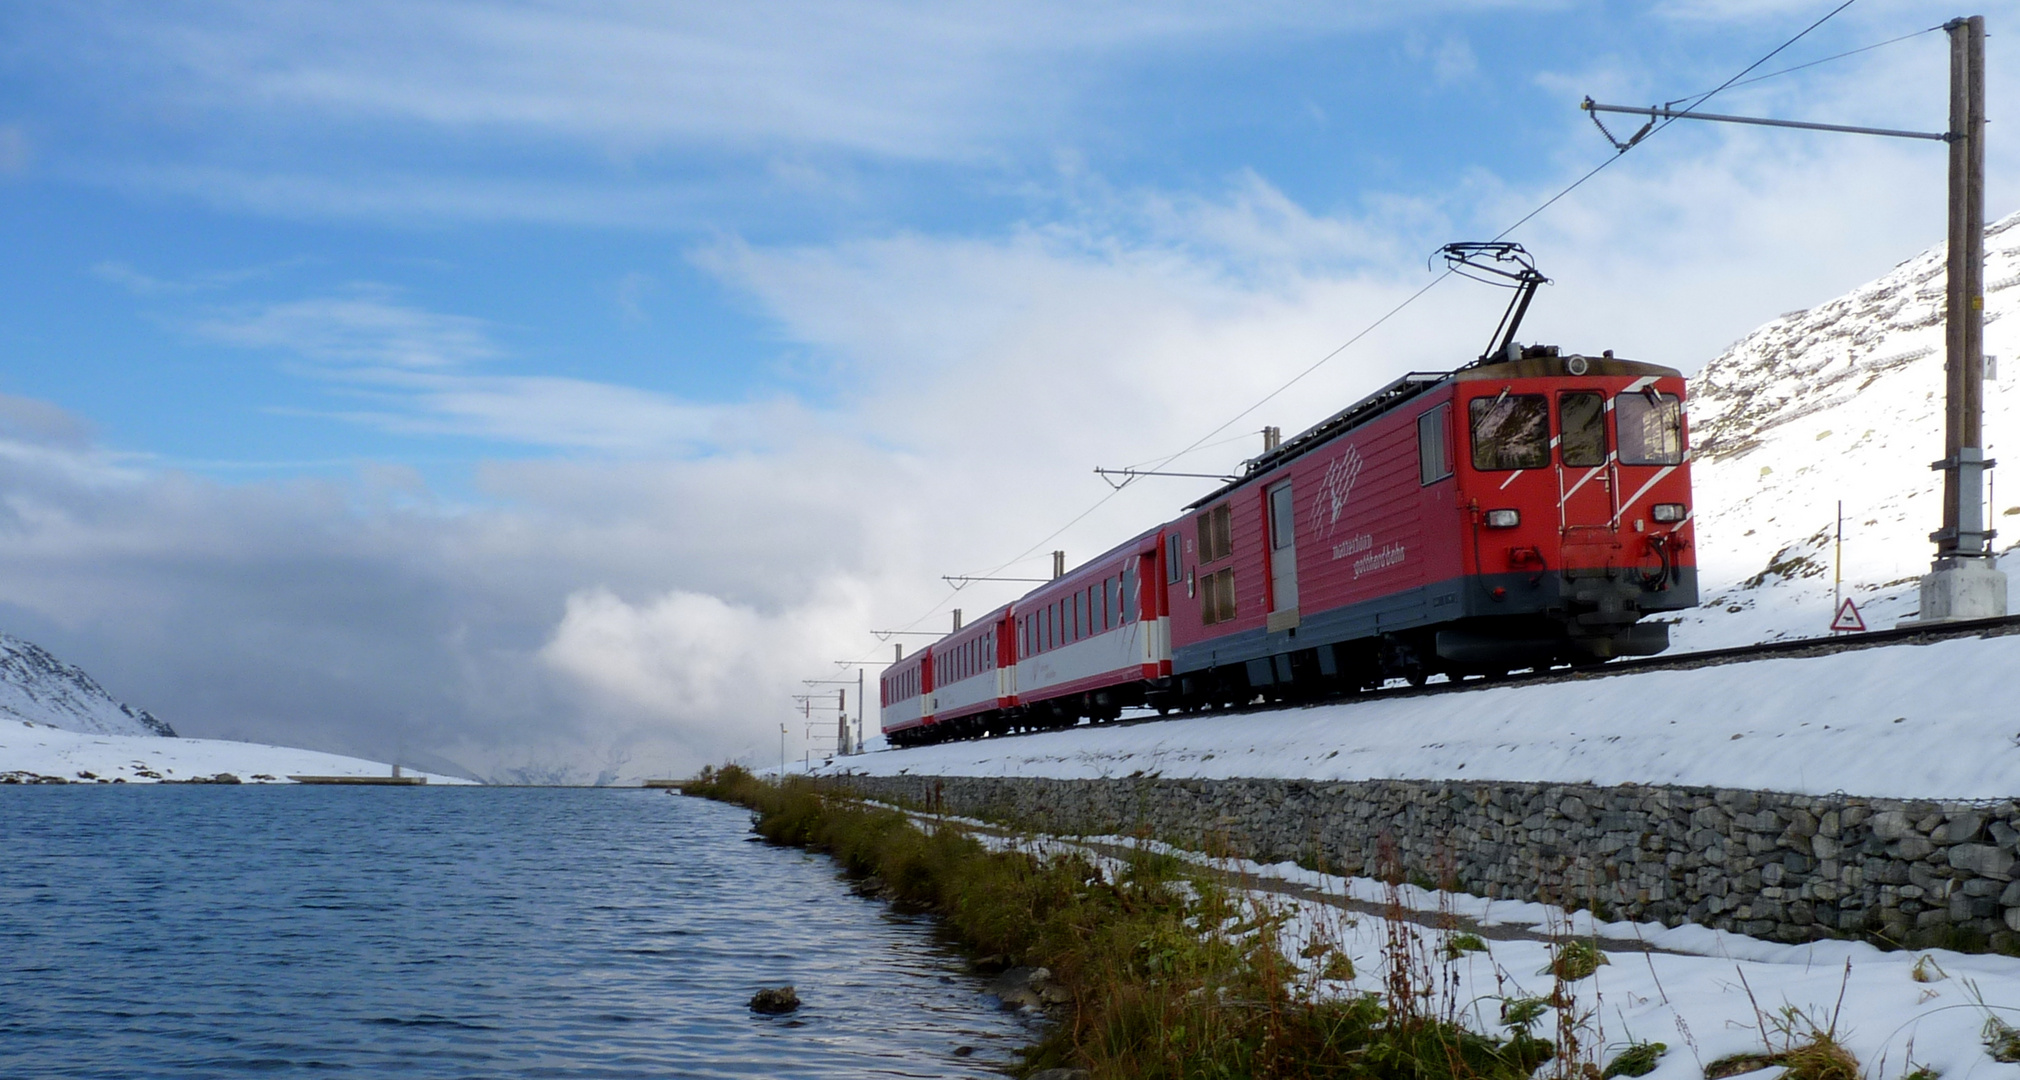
[(1841, 403), (38, 687)]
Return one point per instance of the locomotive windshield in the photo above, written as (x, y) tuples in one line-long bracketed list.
[(1582, 419), (1651, 429), (1511, 432)]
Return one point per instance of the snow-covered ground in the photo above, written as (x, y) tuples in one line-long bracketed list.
[(1928, 721), (1706, 994), (41, 750)]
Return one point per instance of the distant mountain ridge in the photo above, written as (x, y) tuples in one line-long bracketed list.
[(36, 686)]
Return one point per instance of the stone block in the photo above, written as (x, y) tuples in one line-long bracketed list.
[(1911, 847), (1960, 827), (1983, 859), (1892, 825)]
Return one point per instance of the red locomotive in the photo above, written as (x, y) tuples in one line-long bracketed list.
[(1528, 509)]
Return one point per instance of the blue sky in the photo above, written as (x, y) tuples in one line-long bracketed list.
[(576, 342)]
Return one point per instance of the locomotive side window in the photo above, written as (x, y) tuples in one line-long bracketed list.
[(1216, 528), (1581, 419), (1434, 458), (1172, 557), (1651, 429), (1511, 431), (1216, 596)]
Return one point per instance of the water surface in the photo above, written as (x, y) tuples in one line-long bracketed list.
[(436, 932)]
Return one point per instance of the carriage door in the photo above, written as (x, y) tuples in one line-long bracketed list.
[(1283, 559), (1584, 483)]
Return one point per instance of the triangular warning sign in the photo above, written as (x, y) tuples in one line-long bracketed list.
[(1848, 618)]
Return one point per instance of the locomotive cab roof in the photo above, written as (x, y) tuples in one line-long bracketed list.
[(1532, 362)]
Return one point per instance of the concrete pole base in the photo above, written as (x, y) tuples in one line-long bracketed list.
[(1959, 589)]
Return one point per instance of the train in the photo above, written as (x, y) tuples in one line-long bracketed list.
[(1531, 508)]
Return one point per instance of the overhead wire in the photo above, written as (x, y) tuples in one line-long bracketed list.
[(1694, 100), (1836, 56)]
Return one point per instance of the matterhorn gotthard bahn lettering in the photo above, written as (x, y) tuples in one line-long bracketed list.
[(432, 568)]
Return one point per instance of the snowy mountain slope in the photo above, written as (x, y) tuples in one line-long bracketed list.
[(38, 687), (31, 752), (1840, 402)]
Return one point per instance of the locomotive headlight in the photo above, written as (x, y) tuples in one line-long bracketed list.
[(1669, 513), (1503, 519)]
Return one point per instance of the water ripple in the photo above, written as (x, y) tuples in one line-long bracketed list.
[(456, 933)]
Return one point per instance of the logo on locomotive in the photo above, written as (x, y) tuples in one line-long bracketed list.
[(1333, 491)]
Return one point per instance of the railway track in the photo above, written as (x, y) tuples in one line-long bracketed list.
[(1801, 647)]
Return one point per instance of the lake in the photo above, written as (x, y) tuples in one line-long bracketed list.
[(216, 931)]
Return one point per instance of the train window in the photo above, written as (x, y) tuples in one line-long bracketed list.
[(1434, 440), (1283, 528), (1172, 558), (1651, 428), (1581, 424), (1216, 596), (1511, 431), (1129, 594), (1215, 529)]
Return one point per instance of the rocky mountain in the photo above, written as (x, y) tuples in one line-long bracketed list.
[(37, 687), (1841, 403)]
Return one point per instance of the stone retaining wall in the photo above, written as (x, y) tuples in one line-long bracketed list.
[(1788, 867)]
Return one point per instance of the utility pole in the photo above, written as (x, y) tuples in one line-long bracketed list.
[(1965, 581)]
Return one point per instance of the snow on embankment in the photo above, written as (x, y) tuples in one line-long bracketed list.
[(29, 750), (1928, 721), (1841, 402)]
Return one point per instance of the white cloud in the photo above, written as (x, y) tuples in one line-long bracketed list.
[(888, 78), (366, 328), (413, 369), (694, 657)]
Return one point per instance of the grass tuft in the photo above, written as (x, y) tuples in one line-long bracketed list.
[(1638, 1059)]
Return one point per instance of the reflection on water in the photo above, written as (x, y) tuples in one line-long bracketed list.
[(438, 932)]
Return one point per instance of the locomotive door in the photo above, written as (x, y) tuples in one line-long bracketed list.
[(1283, 559), (1584, 480)]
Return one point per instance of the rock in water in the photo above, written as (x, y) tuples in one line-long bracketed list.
[(775, 1001)]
